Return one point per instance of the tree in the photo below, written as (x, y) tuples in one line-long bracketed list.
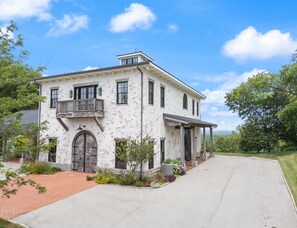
[(227, 143), (12, 180), (136, 152), (16, 89), (288, 84), (258, 102)]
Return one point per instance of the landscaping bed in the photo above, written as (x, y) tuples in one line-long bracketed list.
[(106, 176)]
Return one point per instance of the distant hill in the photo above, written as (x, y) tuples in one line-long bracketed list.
[(221, 132)]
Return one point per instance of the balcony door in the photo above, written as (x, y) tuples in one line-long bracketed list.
[(84, 156), (84, 98)]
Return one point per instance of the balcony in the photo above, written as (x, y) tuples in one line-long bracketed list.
[(80, 108)]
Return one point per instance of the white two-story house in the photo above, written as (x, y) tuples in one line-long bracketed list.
[(89, 112)]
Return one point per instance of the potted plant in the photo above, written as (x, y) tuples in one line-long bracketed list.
[(167, 167)]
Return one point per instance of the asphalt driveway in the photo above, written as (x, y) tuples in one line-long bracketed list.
[(222, 192)]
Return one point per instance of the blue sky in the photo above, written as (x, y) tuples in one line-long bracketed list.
[(213, 45)]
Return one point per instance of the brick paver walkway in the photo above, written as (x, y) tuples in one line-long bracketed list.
[(59, 186)]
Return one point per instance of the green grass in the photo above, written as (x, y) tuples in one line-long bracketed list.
[(288, 163), (7, 224)]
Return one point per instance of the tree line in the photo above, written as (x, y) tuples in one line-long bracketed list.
[(267, 102)]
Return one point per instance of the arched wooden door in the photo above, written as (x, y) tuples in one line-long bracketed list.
[(84, 156)]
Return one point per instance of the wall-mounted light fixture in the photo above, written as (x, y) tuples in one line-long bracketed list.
[(80, 127), (100, 91), (70, 93)]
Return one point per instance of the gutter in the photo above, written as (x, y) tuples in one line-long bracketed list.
[(141, 104)]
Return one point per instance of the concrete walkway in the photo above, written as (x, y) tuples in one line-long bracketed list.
[(222, 192)]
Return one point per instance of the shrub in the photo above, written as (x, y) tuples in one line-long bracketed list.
[(182, 172), (113, 177), (170, 178), (38, 168), (159, 178), (90, 178), (127, 179), (168, 161), (177, 167), (101, 178)]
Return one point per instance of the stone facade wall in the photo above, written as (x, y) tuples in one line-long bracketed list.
[(120, 121)]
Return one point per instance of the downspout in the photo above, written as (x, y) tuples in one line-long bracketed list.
[(141, 105), (39, 117), (141, 115)]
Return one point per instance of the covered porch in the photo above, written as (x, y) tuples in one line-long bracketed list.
[(190, 137)]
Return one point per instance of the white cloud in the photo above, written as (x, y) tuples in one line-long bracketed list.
[(172, 28), (226, 120), (90, 68), (231, 81), (251, 44), (135, 16), (68, 24), (11, 9)]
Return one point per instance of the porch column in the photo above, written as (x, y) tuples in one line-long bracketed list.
[(211, 143), (182, 144), (204, 144), (195, 146)]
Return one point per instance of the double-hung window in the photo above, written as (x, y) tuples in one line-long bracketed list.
[(53, 150), (193, 107), (120, 150), (162, 150), (185, 101), (162, 96), (151, 92), (122, 92), (197, 108), (54, 98)]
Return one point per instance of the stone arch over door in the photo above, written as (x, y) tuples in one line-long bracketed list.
[(84, 152)]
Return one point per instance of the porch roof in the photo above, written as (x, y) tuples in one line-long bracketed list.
[(188, 121)]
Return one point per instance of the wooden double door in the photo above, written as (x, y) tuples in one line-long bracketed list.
[(84, 156)]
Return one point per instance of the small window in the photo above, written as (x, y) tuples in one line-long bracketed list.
[(193, 107), (185, 102), (162, 150), (120, 149), (151, 161), (54, 98), (197, 108), (162, 97), (129, 61), (122, 92), (53, 150), (151, 93)]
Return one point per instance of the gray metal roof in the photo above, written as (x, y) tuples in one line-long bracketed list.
[(187, 120), (37, 80), (28, 116)]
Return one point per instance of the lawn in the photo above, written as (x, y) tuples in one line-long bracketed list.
[(7, 224), (288, 163)]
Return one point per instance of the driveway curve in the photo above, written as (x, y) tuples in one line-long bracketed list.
[(222, 192)]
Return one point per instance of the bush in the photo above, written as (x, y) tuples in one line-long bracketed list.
[(170, 178), (128, 179), (182, 172), (113, 177), (177, 167), (101, 179), (90, 178), (38, 168), (168, 161)]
